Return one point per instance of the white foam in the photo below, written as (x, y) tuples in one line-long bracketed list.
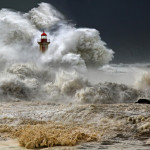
[(69, 46), (24, 69)]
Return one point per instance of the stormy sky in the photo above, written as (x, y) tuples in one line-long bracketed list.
[(123, 24)]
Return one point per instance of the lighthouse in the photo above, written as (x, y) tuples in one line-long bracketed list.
[(43, 42)]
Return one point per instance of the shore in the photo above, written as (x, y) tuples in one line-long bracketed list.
[(104, 126)]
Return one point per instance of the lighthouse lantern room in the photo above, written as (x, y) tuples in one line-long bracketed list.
[(43, 42)]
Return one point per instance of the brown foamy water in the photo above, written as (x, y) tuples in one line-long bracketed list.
[(38, 125)]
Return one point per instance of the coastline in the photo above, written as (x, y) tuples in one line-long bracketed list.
[(116, 125)]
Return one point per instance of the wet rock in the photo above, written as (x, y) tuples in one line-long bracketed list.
[(143, 101)]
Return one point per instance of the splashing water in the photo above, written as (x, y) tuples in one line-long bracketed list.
[(69, 46), (27, 74), (64, 85)]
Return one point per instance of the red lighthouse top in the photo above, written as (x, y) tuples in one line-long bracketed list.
[(43, 42), (43, 34)]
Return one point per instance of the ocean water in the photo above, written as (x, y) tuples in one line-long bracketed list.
[(75, 65), (72, 94)]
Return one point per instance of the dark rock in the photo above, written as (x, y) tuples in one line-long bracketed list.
[(143, 101)]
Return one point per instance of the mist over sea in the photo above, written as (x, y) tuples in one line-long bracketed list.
[(75, 65), (73, 76)]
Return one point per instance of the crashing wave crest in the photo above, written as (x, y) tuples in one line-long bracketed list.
[(107, 93), (69, 46), (31, 73), (32, 82)]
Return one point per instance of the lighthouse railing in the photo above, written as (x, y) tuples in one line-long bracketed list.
[(41, 40)]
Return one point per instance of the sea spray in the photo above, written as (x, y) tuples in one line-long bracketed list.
[(69, 83), (107, 93), (72, 50), (35, 83), (69, 46), (55, 86), (143, 83)]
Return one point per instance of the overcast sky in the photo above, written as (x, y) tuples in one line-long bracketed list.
[(123, 24)]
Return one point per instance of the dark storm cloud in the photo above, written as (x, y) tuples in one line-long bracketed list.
[(124, 24)]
